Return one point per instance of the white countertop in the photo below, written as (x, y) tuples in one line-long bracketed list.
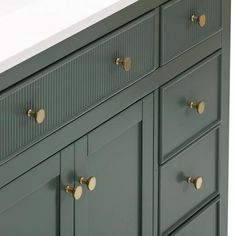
[(28, 27)]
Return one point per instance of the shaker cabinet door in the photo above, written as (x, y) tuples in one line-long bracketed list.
[(114, 166), (31, 204)]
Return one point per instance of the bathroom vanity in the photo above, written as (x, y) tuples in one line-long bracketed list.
[(114, 118)]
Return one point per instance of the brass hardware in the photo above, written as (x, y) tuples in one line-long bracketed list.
[(90, 182), (126, 63), (199, 106), (39, 115), (76, 192), (201, 20), (197, 182)]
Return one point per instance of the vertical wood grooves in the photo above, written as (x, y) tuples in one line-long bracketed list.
[(74, 84)]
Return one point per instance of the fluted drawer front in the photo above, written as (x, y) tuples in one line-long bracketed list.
[(180, 30), (77, 82)]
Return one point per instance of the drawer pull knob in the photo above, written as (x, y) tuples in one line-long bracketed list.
[(199, 106), (125, 63), (197, 182), (201, 20), (38, 115), (76, 192), (91, 182)]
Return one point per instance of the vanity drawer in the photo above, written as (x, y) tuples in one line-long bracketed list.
[(188, 181), (76, 83), (185, 23), (189, 106), (204, 223)]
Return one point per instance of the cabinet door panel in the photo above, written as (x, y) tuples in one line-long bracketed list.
[(32, 205), (114, 153)]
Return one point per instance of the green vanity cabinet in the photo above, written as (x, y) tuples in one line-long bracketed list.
[(30, 205), (185, 23), (118, 155), (204, 223), (121, 129)]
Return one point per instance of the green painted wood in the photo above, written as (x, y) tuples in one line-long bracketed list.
[(123, 168), (178, 199), (179, 33), (76, 83), (16, 165), (30, 205), (121, 151), (77, 41), (66, 200), (180, 125), (224, 131), (205, 222)]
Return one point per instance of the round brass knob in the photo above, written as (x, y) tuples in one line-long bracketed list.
[(125, 63), (91, 182), (76, 192), (201, 20), (38, 115), (197, 182), (199, 106)]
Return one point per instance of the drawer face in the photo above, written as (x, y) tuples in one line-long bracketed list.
[(179, 32), (205, 223), (178, 198), (180, 124), (76, 83)]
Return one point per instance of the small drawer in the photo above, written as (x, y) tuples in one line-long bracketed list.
[(189, 106), (188, 181), (185, 23), (59, 93), (205, 223)]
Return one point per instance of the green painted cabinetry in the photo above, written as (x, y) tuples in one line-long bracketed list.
[(133, 139), (118, 155), (31, 204)]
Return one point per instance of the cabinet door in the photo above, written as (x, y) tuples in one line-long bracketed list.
[(30, 205), (119, 154)]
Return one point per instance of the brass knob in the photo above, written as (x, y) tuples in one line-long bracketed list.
[(38, 115), (199, 106), (201, 20), (125, 63), (91, 182), (76, 192), (197, 182)]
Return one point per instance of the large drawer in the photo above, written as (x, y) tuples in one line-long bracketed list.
[(205, 223), (188, 181), (185, 23), (189, 106), (76, 83)]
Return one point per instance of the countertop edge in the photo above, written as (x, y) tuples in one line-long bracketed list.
[(81, 39)]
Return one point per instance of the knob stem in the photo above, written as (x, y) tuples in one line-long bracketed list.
[(199, 106), (125, 63), (91, 182), (201, 20), (197, 182), (76, 192), (38, 115)]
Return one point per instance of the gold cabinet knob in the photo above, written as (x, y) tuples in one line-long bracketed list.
[(76, 192), (125, 63), (201, 20), (199, 106), (91, 182), (197, 182), (38, 115)]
